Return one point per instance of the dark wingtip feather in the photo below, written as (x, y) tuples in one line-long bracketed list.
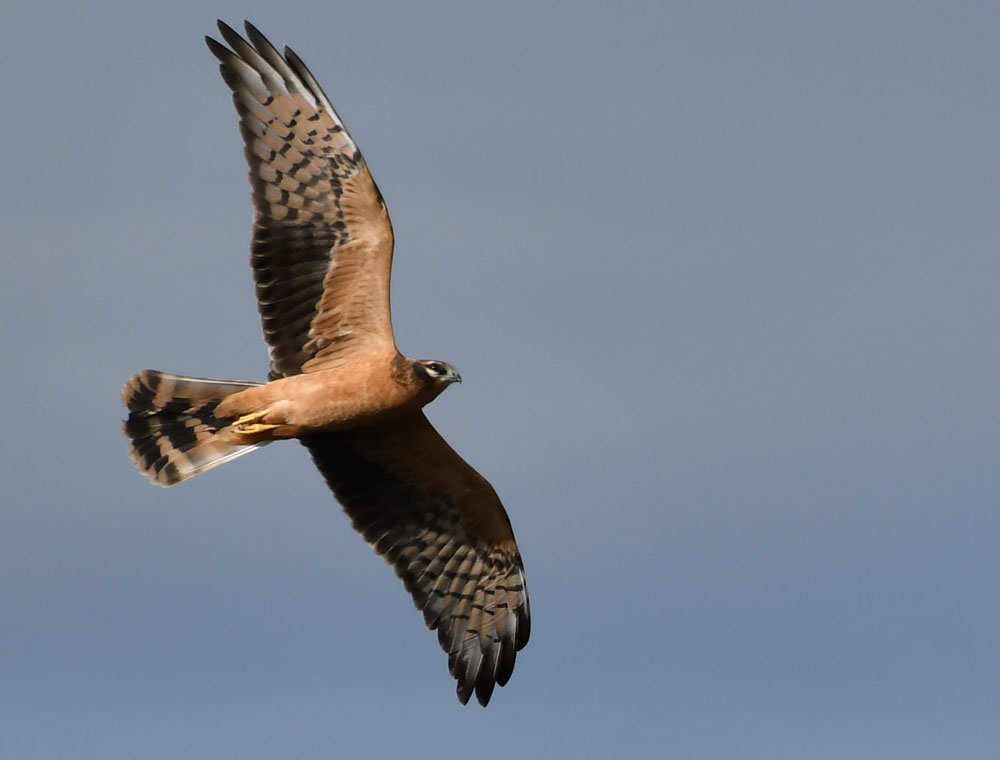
[(225, 29), (463, 691), (302, 72), (523, 627), (487, 678), (255, 36), (484, 690), (219, 50), (505, 662)]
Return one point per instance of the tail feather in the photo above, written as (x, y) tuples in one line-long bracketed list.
[(173, 427)]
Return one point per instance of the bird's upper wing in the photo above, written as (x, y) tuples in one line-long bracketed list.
[(322, 240), (439, 523)]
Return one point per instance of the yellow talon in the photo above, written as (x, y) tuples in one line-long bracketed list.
[(248, 425), (254, 429)]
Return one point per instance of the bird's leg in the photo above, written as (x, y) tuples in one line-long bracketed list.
[(248, 424)]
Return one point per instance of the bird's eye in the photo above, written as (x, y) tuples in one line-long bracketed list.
[(435, 368)]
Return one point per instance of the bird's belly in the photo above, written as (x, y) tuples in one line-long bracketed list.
[(303, 404)]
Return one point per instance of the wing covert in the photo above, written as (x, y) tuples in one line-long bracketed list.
[(322, 240), (443, 529)]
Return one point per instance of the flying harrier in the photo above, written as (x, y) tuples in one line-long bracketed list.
[(321, 254)]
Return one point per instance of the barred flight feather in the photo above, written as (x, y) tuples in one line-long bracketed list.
[(172, 425)]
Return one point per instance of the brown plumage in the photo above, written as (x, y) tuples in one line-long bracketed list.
[(321, 256)]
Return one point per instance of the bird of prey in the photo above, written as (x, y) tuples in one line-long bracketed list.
[(321, 253)]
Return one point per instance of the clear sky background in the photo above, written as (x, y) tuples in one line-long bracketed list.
[(722, 281)]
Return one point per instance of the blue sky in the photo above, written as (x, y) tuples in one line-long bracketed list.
[(721, 282)]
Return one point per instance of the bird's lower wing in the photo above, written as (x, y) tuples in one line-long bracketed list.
[(442, 527)]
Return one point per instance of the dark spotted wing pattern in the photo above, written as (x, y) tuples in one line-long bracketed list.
[(441, 526), (322, 240)]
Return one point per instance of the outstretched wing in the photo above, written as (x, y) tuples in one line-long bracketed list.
[(441, 526), (322, 240)]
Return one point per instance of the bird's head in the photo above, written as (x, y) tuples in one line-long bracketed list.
[(436, 373)]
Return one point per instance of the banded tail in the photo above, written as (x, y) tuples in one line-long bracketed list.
[(173, 427)]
